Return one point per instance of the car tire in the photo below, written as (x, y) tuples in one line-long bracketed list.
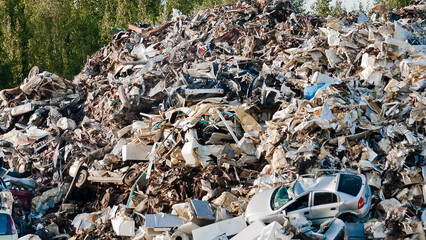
[(81, 177), (131, 176), (106, 200), (34, 71)]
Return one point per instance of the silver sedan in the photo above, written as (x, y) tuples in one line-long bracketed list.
[(319, 199)]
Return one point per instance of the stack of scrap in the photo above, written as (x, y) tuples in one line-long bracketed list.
[(169, 130)]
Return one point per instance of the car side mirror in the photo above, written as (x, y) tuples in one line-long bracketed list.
[(283, 213)]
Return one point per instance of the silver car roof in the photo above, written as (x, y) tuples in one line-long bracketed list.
[(324, 183)]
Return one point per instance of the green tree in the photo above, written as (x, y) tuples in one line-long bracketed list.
[(299, 5), (5, 71), (391, 4), (12, 42), (57, 35), (322, 7), (339, 9), (62, 34), (150, 10), (116, 13)]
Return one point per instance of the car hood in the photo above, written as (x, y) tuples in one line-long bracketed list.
[(259, 206)]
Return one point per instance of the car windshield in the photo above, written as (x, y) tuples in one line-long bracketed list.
[(280, 197), (4, 224)]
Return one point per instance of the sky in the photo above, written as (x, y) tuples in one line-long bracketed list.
[(348, 4)]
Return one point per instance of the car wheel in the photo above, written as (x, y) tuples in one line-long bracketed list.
[(350, 218), (106, 200), (81, 178), (34, 71), (131, 176)]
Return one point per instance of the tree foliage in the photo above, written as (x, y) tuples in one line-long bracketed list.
[(339, 9), (322, 7), (299, 5), (391, 4), (57, 35), (12, 42)]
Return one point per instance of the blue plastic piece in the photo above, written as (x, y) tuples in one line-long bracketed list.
[(311, 91), (363, 18)]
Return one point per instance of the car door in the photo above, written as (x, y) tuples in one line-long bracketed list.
[(325, 206), (299, 206)]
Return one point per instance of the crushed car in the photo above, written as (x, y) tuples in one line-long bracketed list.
[(337, 194), (126, 175)]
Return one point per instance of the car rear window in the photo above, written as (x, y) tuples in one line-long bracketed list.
[(4, 224), (350, 184)]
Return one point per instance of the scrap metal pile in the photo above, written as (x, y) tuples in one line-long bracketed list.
[(177, 126)]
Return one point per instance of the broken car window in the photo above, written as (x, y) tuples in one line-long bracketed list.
[(349, 184), (300, 203), (279, 198), (324, 198)]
